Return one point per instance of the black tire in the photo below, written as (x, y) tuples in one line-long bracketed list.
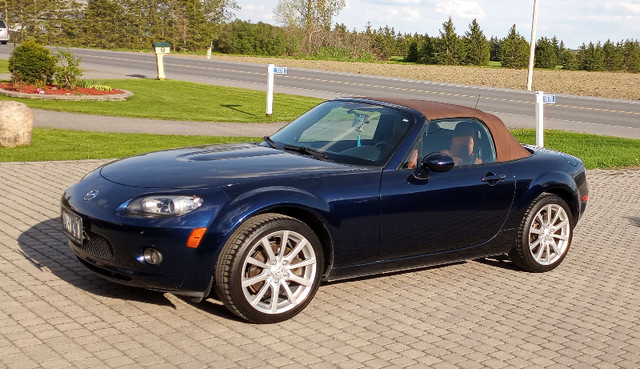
[(544, 235), (248, 274)]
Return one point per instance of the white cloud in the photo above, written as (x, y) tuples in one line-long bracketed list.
[(467, 9), (627, 6)]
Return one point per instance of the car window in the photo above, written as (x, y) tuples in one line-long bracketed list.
[(468, 141), (349, 132), (2, 24), (343, 124)]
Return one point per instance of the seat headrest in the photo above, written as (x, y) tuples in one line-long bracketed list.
[(465, 129)]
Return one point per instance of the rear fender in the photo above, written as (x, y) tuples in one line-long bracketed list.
[(558, 183)]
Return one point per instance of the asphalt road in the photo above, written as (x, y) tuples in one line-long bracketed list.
[(575, 113)]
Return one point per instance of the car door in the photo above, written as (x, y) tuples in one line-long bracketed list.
[(461, 208)]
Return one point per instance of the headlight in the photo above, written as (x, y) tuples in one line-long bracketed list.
[(163, 205)]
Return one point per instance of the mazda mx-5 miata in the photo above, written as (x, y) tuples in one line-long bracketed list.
[(354, 187)]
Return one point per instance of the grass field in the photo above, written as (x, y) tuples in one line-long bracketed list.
[(177, 100), (55, 144)]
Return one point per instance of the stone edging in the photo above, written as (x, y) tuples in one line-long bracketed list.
[(115, 97)]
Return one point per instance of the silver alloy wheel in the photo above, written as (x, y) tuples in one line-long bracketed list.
[(279, 272), (549, 234)]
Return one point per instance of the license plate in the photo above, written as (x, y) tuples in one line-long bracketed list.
[(72, 226)]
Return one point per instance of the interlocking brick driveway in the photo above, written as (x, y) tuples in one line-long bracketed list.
[(54, 313)]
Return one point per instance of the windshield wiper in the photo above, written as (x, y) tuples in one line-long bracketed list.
[(271, 143), (307, 151)]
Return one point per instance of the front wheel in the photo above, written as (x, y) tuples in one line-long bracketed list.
[(544, 235), (270, 269)]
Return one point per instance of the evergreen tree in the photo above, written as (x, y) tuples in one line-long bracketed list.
[(568, 60), (383, 42), (494, 49), (428, 50), (45, 21), (515, 50), (631, 54), (449, 49), (546, 54), (591, 57), (194, 32), (613, 56), (476, 46), (102, 24)]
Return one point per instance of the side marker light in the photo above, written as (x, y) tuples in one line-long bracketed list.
[(195, 237)]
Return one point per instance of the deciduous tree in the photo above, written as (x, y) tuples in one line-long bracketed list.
[(314, 16)]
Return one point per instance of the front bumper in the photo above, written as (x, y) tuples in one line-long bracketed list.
[(113, 246), (116, 253)]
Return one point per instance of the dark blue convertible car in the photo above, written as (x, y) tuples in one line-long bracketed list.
[(354, 187)]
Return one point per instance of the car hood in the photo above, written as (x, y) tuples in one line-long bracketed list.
[(213, 166)]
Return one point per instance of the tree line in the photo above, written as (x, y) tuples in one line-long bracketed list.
[(305, 30)]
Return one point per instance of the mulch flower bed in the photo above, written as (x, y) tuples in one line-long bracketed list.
[(55, 90)]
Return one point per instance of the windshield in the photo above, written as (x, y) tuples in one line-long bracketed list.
[(347, 132)]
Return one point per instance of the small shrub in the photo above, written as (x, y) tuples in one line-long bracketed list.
[(67, 72), (31, 63)]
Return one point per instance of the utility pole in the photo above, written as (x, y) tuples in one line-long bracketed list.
[(532, 49)]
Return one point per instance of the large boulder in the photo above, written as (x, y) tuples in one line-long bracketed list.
[(16, 124)]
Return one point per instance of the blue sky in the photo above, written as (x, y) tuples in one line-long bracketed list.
[(572, 21)]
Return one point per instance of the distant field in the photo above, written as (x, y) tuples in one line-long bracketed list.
[(598, 84)]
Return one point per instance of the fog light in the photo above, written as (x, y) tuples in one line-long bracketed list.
[(152, 256)]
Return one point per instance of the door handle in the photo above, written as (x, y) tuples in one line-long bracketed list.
[(492, 179)]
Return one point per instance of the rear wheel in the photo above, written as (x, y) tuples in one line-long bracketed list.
[(544, 235), (270, 269)]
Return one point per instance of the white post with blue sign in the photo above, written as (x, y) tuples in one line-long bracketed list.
[(541, 99), (272, 70), (270, 79)]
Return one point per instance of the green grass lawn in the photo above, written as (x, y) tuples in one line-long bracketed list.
[(177, 100), (55, 144), (595, 151), (4, 66)]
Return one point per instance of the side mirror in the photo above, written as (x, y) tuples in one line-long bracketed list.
[(437, 162)]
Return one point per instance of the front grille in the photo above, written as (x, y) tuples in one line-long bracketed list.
[(97, 246)]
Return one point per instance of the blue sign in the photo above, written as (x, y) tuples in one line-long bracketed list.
[(279, 70), (549, 99)]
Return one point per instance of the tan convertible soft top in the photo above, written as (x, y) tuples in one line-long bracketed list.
[(507, 147)]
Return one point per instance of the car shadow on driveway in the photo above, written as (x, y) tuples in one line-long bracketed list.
[(46, 247), (499, 261)]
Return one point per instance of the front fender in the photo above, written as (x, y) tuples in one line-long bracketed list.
[(261, 200)]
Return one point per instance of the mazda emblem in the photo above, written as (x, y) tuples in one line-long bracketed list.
[(90, 195)]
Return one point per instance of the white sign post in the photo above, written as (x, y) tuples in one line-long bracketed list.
[(272, 70), (541, 99)]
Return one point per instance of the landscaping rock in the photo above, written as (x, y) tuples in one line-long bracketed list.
[(16, 124)]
